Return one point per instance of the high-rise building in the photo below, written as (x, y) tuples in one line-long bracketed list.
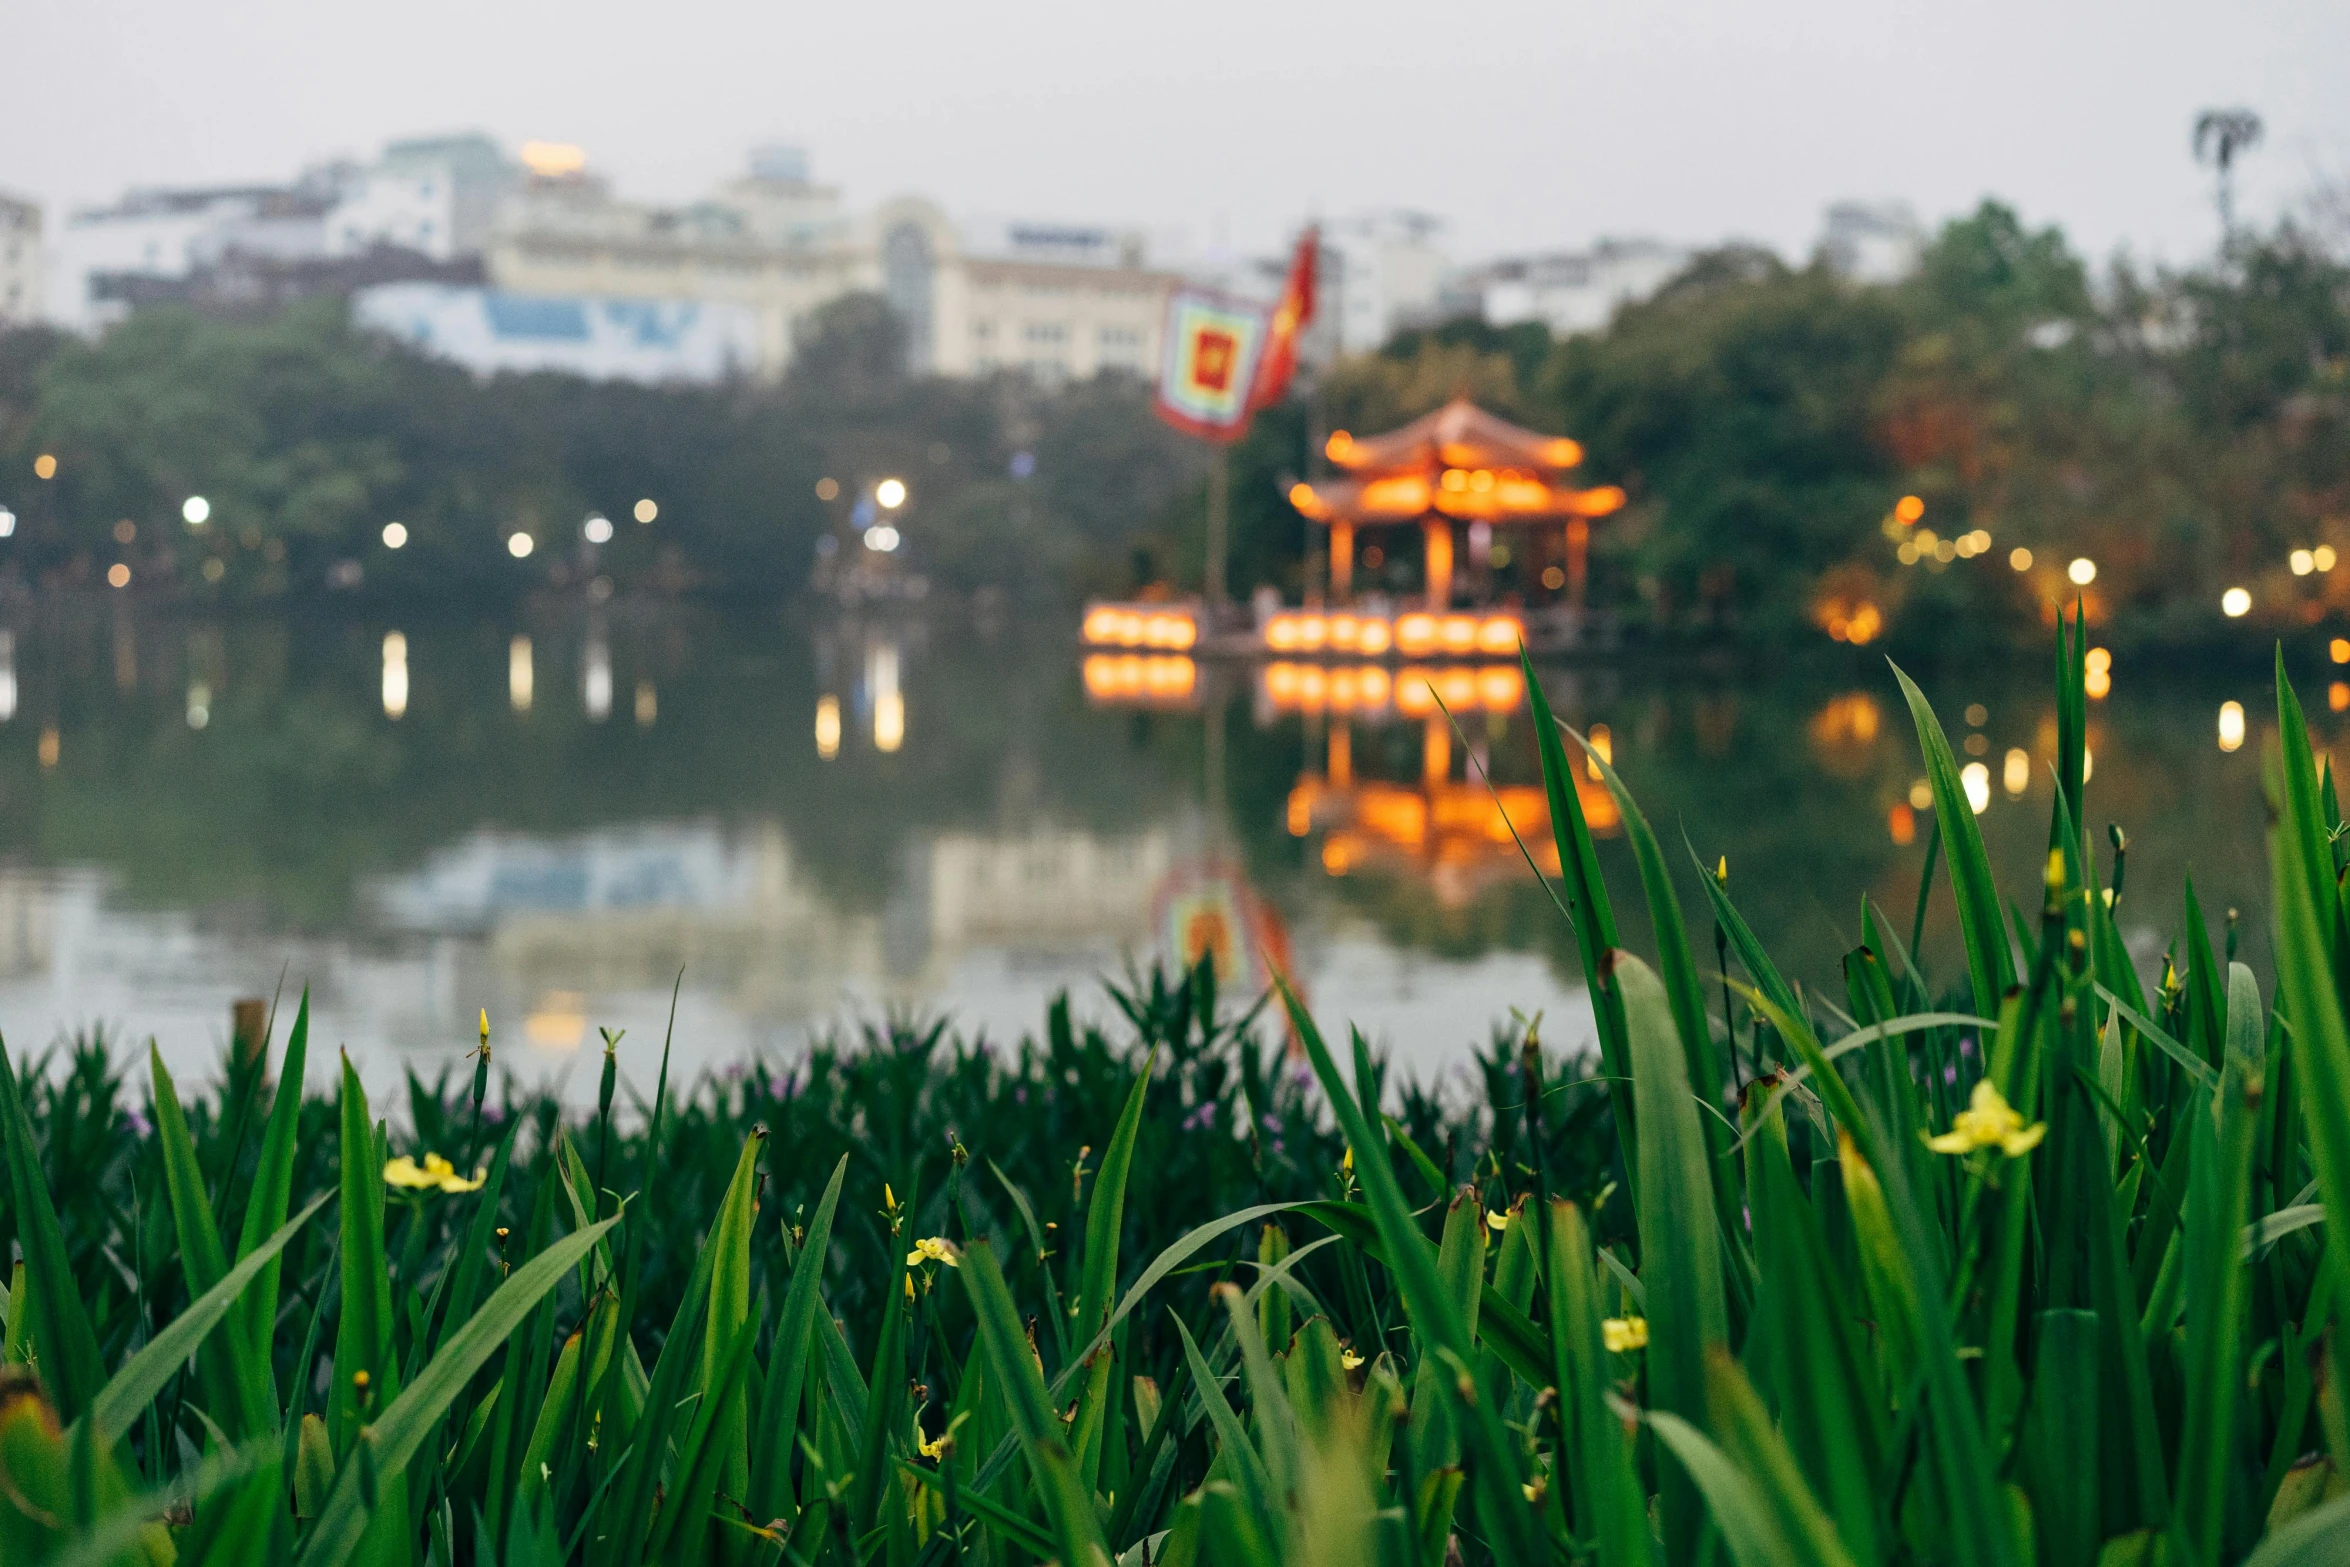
[(20, 261)]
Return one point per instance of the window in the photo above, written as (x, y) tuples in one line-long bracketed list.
[(1121, 339), (1047, 332)]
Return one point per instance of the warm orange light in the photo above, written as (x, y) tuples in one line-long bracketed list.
[(1131, 677), (1455, 479), (1601, 502), (1603, 749), (1481, 481), (1101, 625), (1902, 823), (1459, 633), (552, 159), (1500, 689), (1499, 634), (1301, 495), (1562, 453), (1909, 508), (1415, 633), (2339, 648), (1375, 637), (1338, 445), (45, 466), (2338, 696)]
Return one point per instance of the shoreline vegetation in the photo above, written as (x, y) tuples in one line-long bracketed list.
[(2024, 1263), (1785, 436)]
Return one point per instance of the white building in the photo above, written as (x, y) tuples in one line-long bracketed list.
[(1050, 300), (1569, 291), (1872, 241), (491, 330), (105, 254), (1390, 274), (435, 195), (20, 261)]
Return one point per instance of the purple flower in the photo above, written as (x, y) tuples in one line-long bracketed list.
[(1204, 1115), (734, 1072), (1271, 1123), (140, 1124), (1950, 1074), (494, 1114)]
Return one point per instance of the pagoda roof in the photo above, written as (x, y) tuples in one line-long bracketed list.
[(1458, 435), (1481, 495)]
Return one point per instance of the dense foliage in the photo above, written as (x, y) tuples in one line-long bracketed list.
[(2031, 1266)]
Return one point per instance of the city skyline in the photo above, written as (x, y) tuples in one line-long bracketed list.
[(1708, 125)]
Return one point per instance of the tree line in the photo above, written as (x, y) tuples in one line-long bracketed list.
[(2180, 430)]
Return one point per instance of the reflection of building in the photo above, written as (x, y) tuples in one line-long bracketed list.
[(20, 261), (624, 910), (1459, 834), (27, 919)]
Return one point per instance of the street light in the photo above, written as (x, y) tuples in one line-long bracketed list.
[(891, 493)]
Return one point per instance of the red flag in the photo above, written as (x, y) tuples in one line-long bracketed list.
[(1278, 365)]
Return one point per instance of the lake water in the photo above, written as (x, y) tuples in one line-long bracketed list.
[(820, 821)]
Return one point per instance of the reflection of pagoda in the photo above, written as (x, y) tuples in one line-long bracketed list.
[(1452, 832), (1457, 465)]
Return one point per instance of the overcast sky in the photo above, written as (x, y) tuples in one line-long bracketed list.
[(1524, 125)]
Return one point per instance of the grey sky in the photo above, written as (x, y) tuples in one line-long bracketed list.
[(1524, 124)]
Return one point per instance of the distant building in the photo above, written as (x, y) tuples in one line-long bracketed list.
[(423, 210), (435, 195), (492, 330), (20, 261), (110, 258), (1390, 274), (1567, 291), (1872, 242), (1053, 301)]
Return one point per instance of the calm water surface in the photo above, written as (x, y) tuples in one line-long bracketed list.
[(825, 821)]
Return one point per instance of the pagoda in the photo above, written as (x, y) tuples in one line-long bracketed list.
[(1459, 464)]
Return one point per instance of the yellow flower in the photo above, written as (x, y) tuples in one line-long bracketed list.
[(1622, 1335), (436, 1174), (936, 1248), (1988, 1121), (1348, 1359), (1496, 1222), (936, 1448)]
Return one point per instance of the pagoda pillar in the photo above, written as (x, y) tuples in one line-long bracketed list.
[(1342, 563), (1578, 559), (1437, 534)]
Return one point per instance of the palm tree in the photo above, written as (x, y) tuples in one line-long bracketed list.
[(2220, 134)]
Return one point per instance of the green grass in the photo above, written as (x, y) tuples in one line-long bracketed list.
[(2029, 1265)]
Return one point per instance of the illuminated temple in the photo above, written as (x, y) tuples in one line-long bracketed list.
[(1459, 466)]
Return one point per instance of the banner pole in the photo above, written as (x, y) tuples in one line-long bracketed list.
[(1219, 527)]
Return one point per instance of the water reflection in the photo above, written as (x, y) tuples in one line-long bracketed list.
[(982, 818)]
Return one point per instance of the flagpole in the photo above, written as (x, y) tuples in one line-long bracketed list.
[(1219, 526)]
